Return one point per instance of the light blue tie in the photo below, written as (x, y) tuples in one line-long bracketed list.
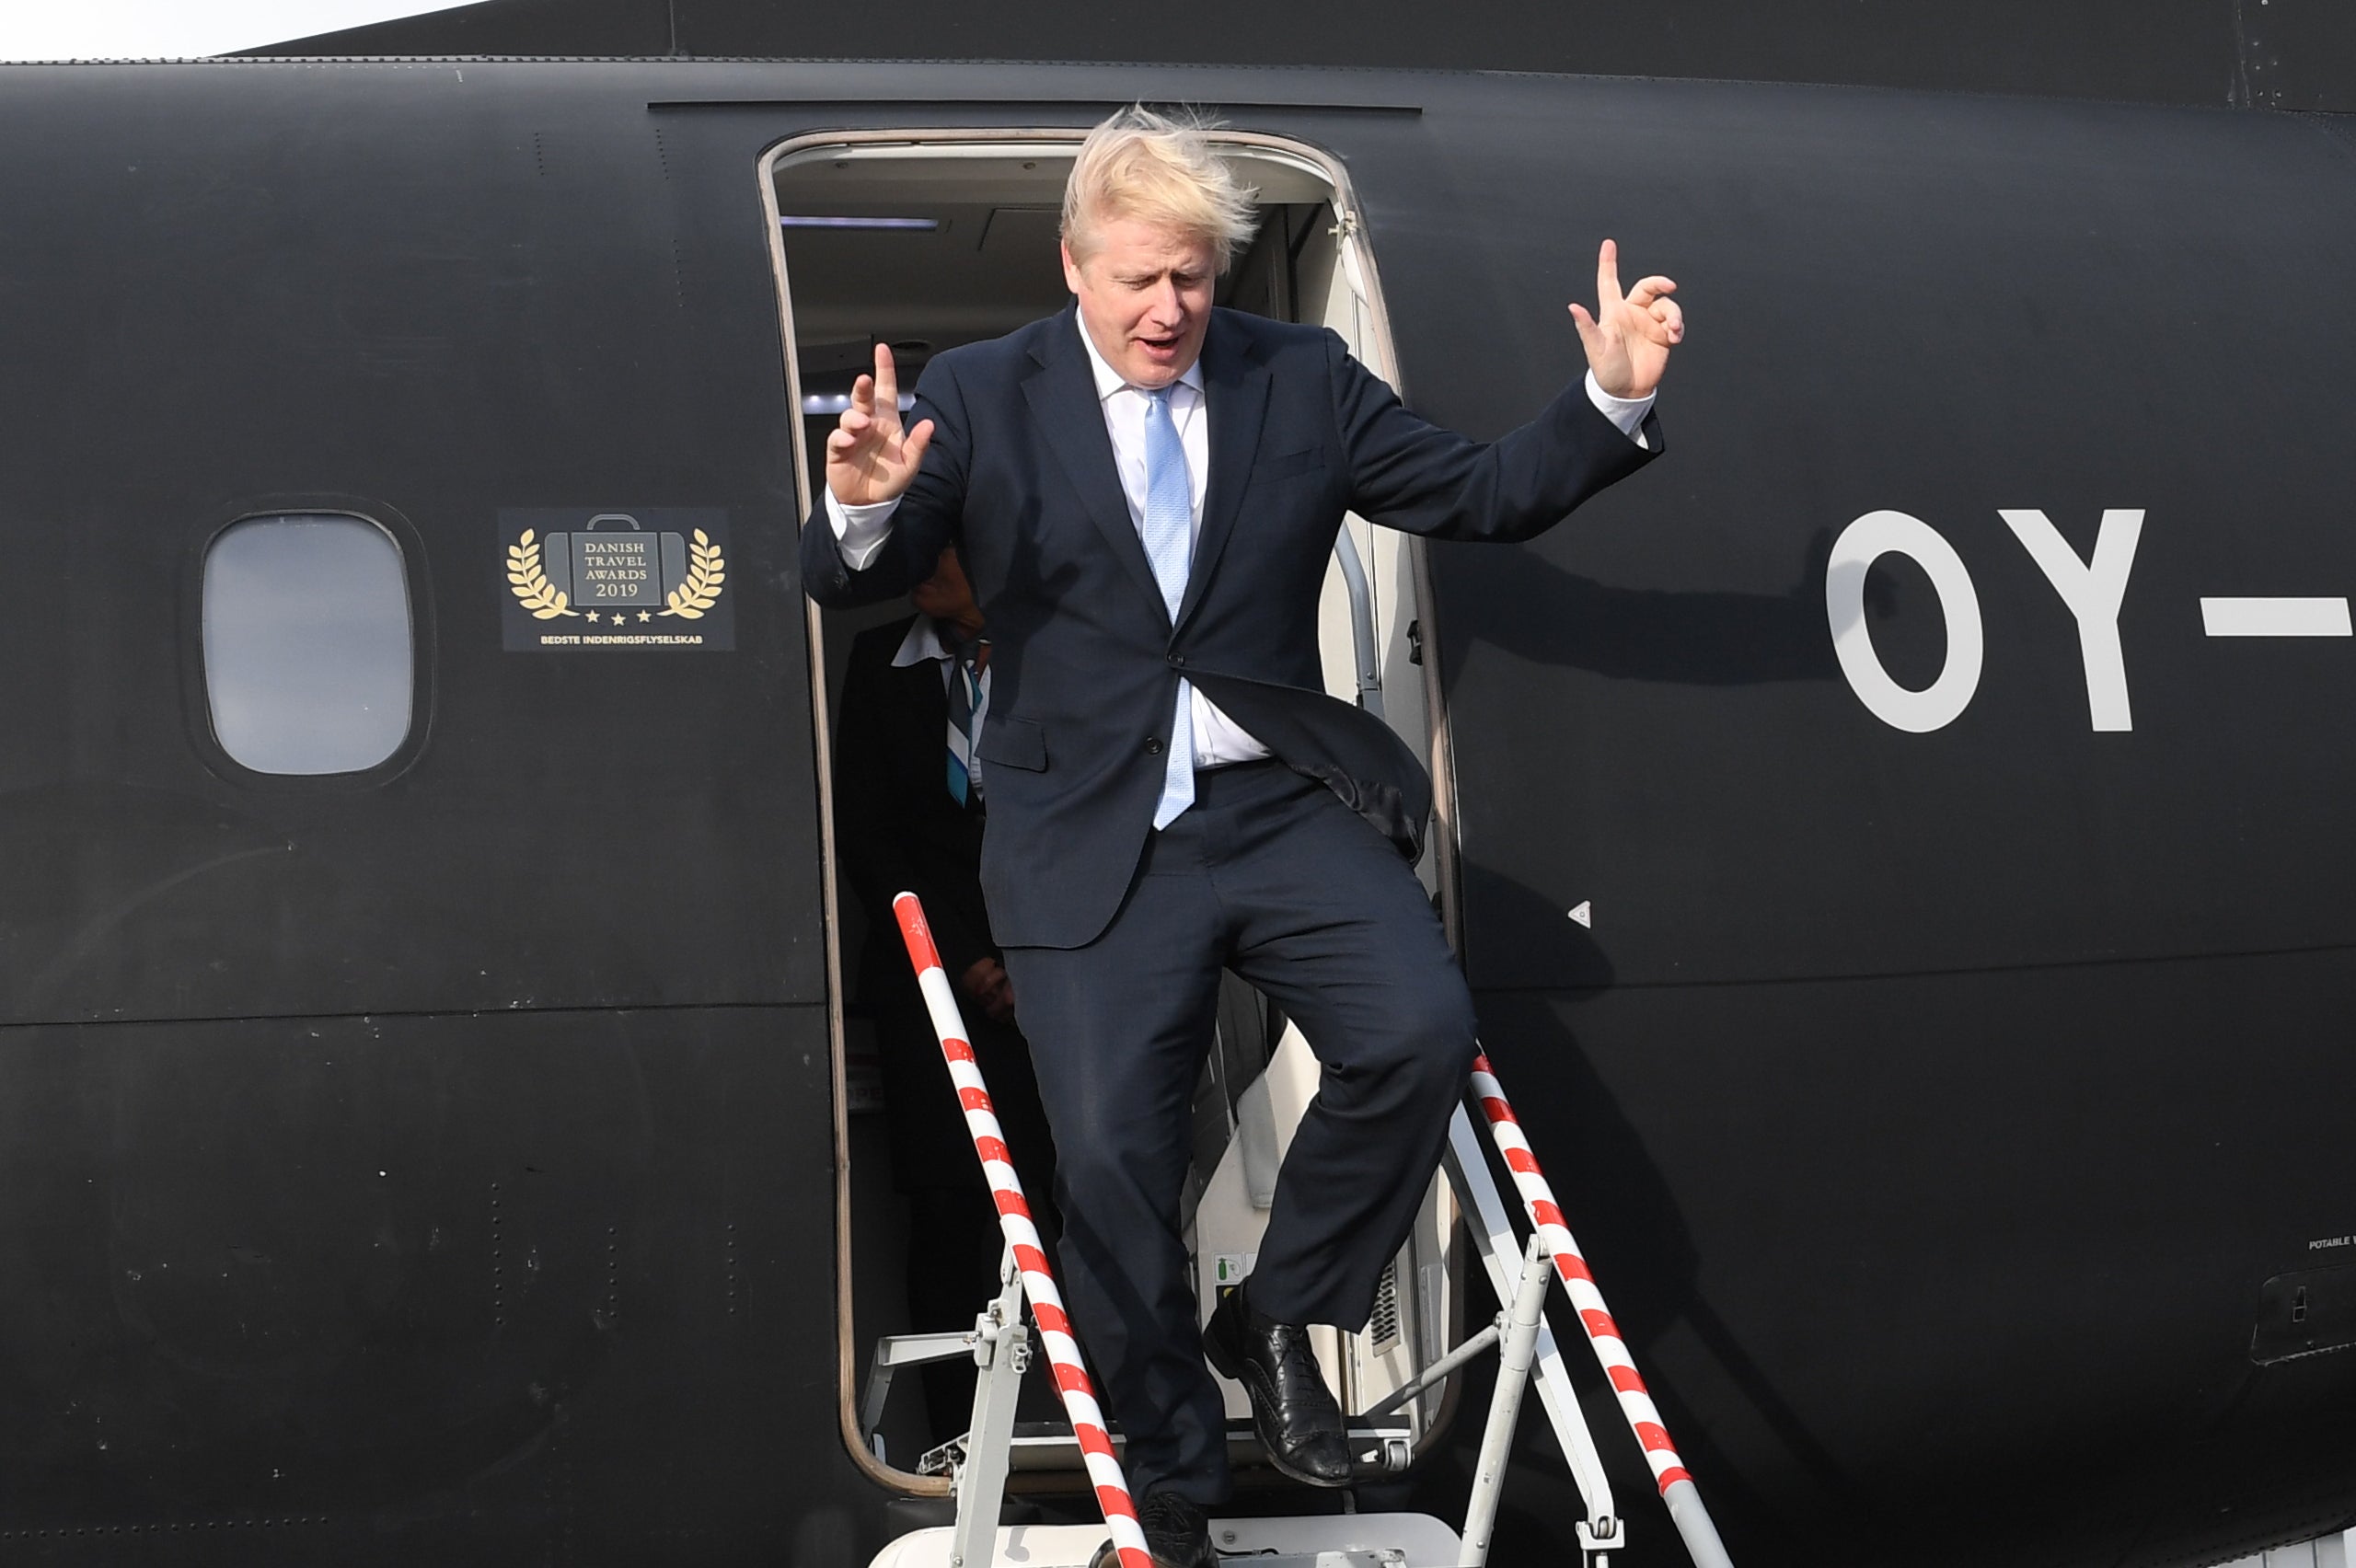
[(1169, 540)]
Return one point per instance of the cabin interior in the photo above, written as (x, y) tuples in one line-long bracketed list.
[(929, 240)]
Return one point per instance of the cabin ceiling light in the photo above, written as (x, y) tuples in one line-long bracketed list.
[(835, 402), (798, 221)]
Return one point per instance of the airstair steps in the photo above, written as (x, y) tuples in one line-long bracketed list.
[(1001, 1346), (1329, 1540)]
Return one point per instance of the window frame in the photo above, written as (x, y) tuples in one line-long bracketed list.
[(196, 684)]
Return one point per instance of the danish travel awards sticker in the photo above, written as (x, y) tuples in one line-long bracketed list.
[(654, 578)]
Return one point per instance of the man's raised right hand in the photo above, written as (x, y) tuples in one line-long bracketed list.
[(870, 457)]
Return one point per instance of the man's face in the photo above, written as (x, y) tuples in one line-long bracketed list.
[(1145, 297)]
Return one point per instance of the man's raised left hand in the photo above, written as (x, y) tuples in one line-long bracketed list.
[(1628, 338)]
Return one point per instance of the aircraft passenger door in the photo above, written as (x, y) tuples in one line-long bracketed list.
[(928, 240)]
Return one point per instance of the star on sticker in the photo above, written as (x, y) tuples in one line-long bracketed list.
[(646, 615), (592, 617)]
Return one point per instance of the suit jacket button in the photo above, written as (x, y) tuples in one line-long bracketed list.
[(1153, 748), (1177, 661)]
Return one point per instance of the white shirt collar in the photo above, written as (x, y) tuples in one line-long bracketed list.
[(1108, 380), (922, 642)]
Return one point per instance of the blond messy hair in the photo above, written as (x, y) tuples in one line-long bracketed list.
[(1156, 169)]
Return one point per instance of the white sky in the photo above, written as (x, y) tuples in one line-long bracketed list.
[(180, 30)]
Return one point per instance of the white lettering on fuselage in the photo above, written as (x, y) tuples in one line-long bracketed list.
[(2320, 1244), (2274, 618), (2093, 590), (1861, 543)]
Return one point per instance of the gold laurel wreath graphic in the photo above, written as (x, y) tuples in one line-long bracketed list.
[(706, 573), (531, 584)]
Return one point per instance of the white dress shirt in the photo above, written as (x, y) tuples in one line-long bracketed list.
[(924, 641), (1218, 740)]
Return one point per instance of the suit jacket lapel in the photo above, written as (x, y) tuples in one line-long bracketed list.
[(1235, 392), (1062, 395)]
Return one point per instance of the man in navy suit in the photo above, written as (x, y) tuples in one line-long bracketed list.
[(1145, 491)]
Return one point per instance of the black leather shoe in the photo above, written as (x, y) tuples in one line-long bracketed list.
[(1177, 1532), (1294, 1412)]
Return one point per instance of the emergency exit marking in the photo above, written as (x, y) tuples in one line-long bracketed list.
[(1584, 912)]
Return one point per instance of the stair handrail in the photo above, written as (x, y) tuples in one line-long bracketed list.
[(1676, 1483), (1022, 1238)]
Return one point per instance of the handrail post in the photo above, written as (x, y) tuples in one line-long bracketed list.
[(1524, 1315), (1366, 676), (1003, 1350), (1686, 1511), (1494, 1240)]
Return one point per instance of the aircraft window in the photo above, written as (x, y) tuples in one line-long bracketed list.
[(309, 646)]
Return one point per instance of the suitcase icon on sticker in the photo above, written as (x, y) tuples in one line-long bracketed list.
[(613, 563)]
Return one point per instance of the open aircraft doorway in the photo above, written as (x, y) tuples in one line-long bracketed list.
[(924, 240)]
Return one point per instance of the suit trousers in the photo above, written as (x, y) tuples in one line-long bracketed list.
[(1270, 875)]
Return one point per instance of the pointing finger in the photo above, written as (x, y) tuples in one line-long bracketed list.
[(1607, 276), (887, 377)]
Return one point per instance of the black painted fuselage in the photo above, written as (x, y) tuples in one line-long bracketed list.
[(435, 1161)]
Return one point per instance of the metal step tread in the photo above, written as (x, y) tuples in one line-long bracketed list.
[(1330, 1540), (1381, 1447)]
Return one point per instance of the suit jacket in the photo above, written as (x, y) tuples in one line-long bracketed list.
[(1085, 659)]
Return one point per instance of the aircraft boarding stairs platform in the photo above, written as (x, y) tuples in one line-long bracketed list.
[(1390, 1377)]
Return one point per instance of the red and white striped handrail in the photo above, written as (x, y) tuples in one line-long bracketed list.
[(1023, 1238), (1676, 1484)]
